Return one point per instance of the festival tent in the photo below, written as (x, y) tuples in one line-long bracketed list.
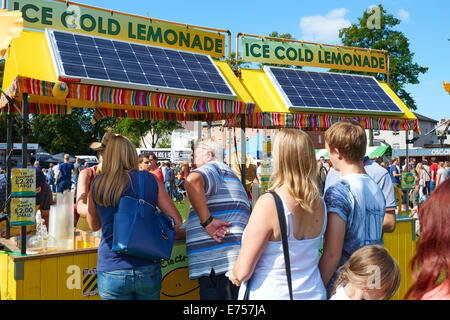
[(371, 152), (253, 147)]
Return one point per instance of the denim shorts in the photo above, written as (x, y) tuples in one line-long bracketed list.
[(63, 185), (142, 283)]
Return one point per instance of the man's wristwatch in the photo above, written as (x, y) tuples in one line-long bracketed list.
[(207, 222)]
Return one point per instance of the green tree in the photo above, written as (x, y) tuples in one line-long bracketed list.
[(241, 64), (136, 129), (62, 133), (403, 70)]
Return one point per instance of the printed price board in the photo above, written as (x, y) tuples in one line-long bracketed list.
[(23, 211), (23, 182)]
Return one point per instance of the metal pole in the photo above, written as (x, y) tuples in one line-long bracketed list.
[(23, 229), (3, 4), (243, 150), (407, 170), (229, 147), (8, 170), (388, 66)]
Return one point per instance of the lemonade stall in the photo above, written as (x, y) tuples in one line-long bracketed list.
[(287, 96), (71, 55)]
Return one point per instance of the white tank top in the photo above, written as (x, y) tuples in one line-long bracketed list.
[(269, 281)]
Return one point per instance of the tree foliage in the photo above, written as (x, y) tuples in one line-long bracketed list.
[(403, 70)]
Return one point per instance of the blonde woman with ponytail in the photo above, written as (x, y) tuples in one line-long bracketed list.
[(122, 276), (261, 258)]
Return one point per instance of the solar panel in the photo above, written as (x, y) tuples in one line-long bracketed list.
[(326, 91), (101, 61)]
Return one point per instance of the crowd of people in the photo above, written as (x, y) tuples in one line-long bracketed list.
[(343, 205)]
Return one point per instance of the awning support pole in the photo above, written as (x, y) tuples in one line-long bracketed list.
[(407, 170), (243, 153), (8, 170), (23, 229)]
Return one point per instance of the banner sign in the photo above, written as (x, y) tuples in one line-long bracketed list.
[(290, 53), (41, 14)]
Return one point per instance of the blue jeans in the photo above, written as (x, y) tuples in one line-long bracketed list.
[(432, 186), (142, 283)]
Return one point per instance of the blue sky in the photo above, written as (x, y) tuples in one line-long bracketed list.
[(425, 24)]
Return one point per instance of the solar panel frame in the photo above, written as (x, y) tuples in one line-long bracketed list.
[(343, 93), (116, 63)]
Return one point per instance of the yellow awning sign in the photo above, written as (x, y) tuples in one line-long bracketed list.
[(79, 18), (447, 87), (322, 56), (11, 26)]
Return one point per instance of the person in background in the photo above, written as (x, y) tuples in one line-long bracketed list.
[(37, 165), (394, 171), (421, 176), (414, 194), (218, 216), (442, 173), (169, 182), (322, 174), (63, 178), (122, 276), (355, 204), (77, 167), (356, 277), (144, 162), (85, 179), (154, 167), (261, 256), (430, 264), (426, 167), (433, 172)]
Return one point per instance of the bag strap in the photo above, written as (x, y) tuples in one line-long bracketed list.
[(283, 231), (141, 185)]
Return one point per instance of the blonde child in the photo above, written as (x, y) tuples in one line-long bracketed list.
[(370, 274)]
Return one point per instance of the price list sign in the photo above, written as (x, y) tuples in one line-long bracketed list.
[(23, 182), (22, 211), (23, 192)]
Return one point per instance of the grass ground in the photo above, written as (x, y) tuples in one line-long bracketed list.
[(181, 208)]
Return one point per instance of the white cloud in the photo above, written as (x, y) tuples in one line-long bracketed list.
[(324, 28), (403, 15)]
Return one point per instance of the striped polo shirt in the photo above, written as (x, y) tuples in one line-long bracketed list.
[(226, 200)]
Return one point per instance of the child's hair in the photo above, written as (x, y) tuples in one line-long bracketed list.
[(349, 137), (359, 270)]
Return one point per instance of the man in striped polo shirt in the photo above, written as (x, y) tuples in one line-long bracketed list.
[(218, 216)]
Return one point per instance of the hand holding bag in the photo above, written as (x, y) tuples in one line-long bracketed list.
[(141, 230), (283, 231)]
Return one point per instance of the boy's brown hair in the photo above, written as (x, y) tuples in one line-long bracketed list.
[(349, 137)]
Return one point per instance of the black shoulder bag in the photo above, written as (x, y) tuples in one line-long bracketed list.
[(283, 231)]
